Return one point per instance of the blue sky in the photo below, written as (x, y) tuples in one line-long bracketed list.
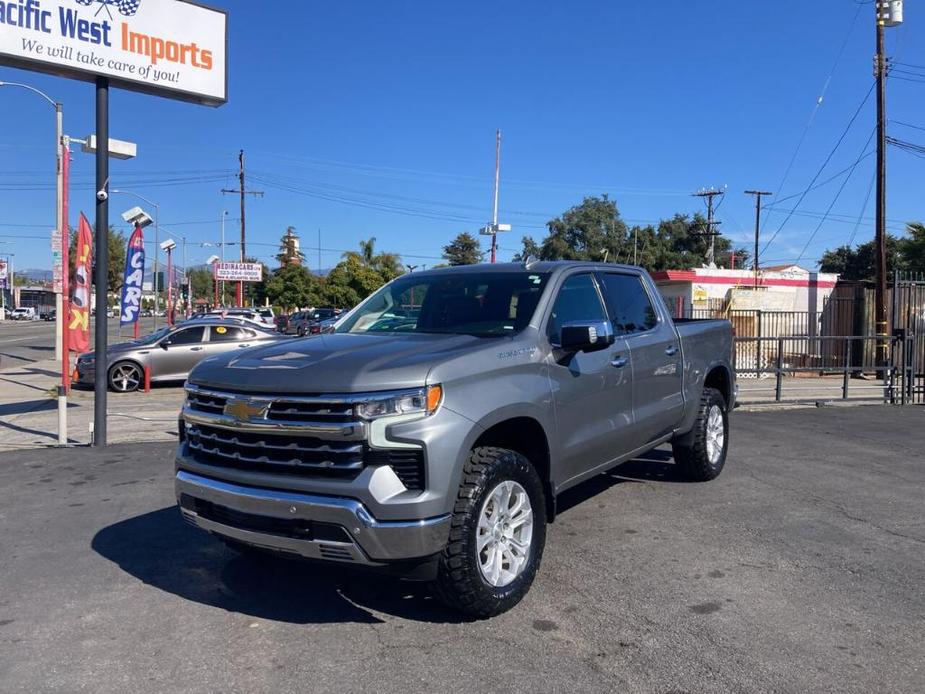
[(377, 119)]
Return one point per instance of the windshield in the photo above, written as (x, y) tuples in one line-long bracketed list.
[(152, 337), (485, 304)]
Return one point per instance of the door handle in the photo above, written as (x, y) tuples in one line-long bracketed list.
[(196, 349), (244, 345), (619, 362), (671, 351)]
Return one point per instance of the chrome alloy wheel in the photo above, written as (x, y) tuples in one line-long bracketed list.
[(716, 434), (504, 533), (125, 378)]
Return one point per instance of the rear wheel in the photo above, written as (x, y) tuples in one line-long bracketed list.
[(125, 377), (497, 534), (701, 453)]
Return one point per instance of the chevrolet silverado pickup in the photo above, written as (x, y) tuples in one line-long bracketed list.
[(431, 432)]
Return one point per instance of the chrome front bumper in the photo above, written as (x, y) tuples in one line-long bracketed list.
[(364, 539)]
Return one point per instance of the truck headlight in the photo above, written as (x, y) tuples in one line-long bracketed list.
[(423, 401)]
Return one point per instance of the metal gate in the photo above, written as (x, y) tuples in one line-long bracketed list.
[(908, 319)]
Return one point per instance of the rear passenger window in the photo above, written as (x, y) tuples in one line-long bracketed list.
[(221, 333), (578, 300), (628, 303), (190, 336)]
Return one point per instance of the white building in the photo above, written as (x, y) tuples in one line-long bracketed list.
[(779, 288)]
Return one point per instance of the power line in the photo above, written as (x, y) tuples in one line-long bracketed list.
[(818, 104), (908, 125), (857, 224), (824, 164), (835, 199)]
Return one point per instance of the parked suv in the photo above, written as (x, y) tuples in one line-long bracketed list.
[(432, 432)]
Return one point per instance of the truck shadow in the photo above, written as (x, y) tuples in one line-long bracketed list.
[(161, 550), (655, 466)]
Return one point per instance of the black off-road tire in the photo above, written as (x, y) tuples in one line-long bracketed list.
[(459, 582), (690, 449)]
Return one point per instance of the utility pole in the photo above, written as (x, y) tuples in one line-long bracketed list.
[(708, 195), (242, 191), (884, 17), (758, 195), (493, 228)]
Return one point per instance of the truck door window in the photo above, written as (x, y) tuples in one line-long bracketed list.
[(578, 300), (630, 308)]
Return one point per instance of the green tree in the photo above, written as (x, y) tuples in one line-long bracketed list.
[(530, 250), (387, 265), (912, 247), (293, 286), (351, 281), (289, 253), (463, 250), (200, 281), (594, 230), (859, 263)]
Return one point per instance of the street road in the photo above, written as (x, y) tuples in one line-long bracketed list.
[(799, 570), (26, 342)]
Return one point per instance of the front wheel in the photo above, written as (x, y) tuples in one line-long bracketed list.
[(701, 453), (125, 377), (497, 534)]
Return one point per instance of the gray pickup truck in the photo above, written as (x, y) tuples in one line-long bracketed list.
[(432, 431)]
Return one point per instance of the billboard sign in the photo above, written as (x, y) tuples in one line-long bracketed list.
[(238, 272), (171, 48), (3, 272)]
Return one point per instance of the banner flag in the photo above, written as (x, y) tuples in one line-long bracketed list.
[(133, 279), (78, 324)]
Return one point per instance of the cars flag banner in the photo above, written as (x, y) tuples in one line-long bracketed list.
[(133, 278), (78, 323)]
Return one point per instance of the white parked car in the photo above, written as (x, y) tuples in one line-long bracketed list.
[(262, 316), (24, 313)]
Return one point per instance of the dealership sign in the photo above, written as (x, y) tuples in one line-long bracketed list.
[(171, 48), (238, 272)]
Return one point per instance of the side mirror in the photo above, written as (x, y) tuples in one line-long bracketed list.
[(587, 336), (164, 344)]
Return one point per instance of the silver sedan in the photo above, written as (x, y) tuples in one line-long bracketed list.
[(170, 352)]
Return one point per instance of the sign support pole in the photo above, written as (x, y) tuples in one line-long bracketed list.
[(61, 355), (102, 261)]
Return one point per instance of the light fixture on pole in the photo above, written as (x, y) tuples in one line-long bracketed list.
[(168, 246)]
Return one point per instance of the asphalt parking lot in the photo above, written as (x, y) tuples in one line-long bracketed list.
[(800, 569)]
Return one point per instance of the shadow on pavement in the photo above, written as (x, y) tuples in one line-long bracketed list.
[(654, 466), (163, 551)]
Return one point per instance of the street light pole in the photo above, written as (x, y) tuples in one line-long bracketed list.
[(61, 351), (224, 214)]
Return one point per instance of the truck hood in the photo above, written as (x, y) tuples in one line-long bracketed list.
[(334, 363)]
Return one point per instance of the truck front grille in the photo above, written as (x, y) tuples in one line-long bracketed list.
[(332, 444), (264, 452)]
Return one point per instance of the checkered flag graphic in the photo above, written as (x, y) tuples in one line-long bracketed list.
[(127, 8)]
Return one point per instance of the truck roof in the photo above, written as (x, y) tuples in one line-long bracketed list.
[(534, 266)]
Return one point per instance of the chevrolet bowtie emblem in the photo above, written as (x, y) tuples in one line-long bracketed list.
[(246, 410)]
